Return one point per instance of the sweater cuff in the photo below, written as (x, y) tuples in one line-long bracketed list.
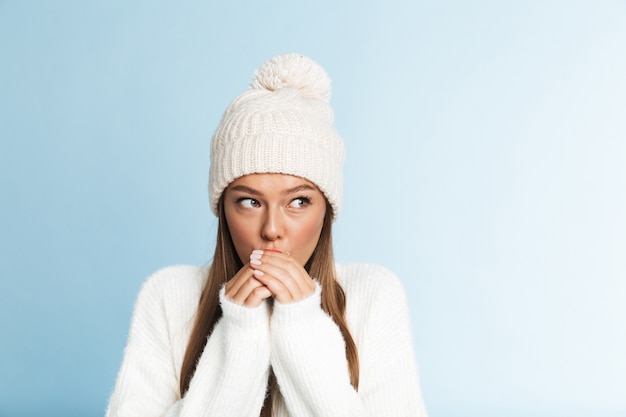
[(242, 316), (289, 313)]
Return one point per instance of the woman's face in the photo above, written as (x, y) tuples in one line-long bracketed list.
[(274, 211)]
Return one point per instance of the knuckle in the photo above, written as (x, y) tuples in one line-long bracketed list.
[(281, 292), (257, 292)]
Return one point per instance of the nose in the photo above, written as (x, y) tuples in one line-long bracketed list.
[(272, 228)]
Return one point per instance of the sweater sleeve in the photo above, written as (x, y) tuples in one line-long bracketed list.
[(308, 355), (389, 382), (146, 382), (308, 358), (230, 378)]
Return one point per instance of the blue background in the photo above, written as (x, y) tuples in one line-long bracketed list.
[(486, 166)]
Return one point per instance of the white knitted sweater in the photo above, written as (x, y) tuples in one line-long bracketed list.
[(298, 341)]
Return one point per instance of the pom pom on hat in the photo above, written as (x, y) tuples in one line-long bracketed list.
[(282, 124), (293, 71)]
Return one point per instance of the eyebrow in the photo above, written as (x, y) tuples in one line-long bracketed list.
[(252, 191)]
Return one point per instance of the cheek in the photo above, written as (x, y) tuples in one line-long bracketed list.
[(241, 237), (310, 233), (238, 234)]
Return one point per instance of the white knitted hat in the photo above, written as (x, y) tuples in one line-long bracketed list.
[(282, 124)]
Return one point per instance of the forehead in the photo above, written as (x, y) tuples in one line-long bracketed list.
[(273, 183)]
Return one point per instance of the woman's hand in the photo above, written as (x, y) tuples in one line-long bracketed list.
[(281, 275), (245, 289)]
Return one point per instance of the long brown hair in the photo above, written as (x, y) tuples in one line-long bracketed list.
[(225, 265)]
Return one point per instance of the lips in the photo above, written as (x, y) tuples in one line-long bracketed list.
[(273, 250)]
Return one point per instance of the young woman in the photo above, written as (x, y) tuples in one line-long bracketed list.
[(273, 327)]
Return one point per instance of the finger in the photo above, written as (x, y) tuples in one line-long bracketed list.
[(281, 292), (234, 284), (243, 293), (257, 296), (239, 287), (287, 285), (286, 269), (280, 278)]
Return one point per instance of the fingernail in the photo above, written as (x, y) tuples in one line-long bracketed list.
[(256, 255), (258, 273), (257, 252), (255, 261)]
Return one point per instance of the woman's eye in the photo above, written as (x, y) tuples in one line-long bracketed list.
[(248, 202), (299, 202)]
